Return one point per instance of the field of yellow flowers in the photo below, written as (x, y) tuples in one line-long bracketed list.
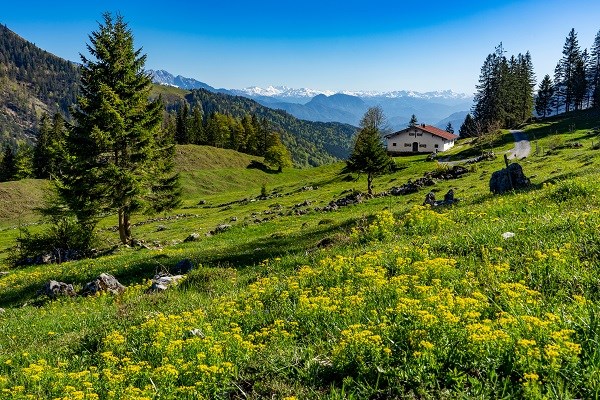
[(425, 304)]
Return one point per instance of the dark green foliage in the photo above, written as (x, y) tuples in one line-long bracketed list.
[(504, 95), (181, 133), (368, 154), (24, 162), (64, 239), (49, 150), (119, 159), (449, 128), (543, 101), (413, 120), (595, 71), (469, 127), (8, 166), (568, 74)]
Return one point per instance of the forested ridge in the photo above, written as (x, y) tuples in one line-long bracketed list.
[(310, 143), (32, 82)]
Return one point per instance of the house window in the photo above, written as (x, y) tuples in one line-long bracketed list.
[(394, 144), (420, 134), (407, 144), (411, 134), (422, 145), (436, 146)]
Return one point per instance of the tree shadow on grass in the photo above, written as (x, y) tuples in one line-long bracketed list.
[(145, 267)]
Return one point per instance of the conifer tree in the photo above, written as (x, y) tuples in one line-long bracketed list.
[(543, 101), (567, 73), (449, 128), (8, 168), (116, 143), (49, 150), (469, 127), (182, 135), (24, 163), (368, 154), (595, 71), (413, 121)]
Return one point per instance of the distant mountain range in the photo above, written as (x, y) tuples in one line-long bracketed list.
[(435, 108)]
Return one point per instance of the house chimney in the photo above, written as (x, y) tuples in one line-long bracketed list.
[(423, 125)]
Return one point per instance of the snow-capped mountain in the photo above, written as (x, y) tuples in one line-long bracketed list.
[(347, 106), (166, 78)]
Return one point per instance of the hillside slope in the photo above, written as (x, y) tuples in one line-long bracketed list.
[(490, 297), (32, 81)]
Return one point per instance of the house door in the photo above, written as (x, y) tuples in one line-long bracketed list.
[(415, 147)]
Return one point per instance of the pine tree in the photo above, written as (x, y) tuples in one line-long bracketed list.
[(543, 101), (595, 71), (49, 150), (567, 73), (368, 154), (8, 168), (469, 127), (525, 87), (182, 135), (449, 128), (413, 121), (490, 107), (116, 143), (24, 163), (196, 129)]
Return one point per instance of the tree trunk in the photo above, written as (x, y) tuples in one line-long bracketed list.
[(369, 184), (124, 227)]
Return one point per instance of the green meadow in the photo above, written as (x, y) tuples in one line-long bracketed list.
[(381, 299)]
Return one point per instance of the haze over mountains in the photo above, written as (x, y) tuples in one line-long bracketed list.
[(435, 108)]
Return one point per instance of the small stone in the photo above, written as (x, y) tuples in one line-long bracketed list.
[(507, 235), (2, 310), (221, 228), (193, 237), (233, 219), (161, 283)]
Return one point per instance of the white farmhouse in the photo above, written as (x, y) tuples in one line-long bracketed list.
[(420, 139)]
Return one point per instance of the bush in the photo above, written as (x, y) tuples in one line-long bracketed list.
[(65, 239)]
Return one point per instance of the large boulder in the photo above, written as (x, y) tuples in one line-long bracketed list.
[(508, 179), (104, 283), (54, 289)]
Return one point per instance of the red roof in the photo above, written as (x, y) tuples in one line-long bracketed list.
[(430, 129)]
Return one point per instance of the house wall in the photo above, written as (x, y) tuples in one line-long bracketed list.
[(403, 143)]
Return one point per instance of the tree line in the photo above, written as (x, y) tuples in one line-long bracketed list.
[(506, 95)]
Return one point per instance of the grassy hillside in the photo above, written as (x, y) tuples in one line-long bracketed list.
[(383, 299)]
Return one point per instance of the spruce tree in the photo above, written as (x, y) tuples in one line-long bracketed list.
[(413, 121), (595, 71), (49, 150), (449, 128), (8, 167), (368, 154), (568, 73), (543, 101), (24, 163), (469, 127), (116, 142)]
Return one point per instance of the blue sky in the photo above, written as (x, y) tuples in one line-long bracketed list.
[(345, 45)]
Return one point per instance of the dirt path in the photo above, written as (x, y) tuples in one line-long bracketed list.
[(522, 145)]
